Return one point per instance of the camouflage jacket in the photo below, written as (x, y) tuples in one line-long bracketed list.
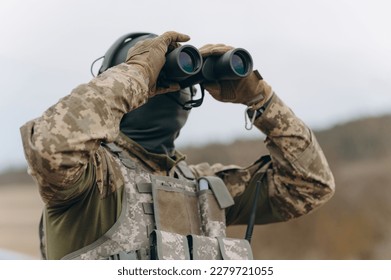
[(81, 182)]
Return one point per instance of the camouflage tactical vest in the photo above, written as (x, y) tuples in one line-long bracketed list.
[(167, 218)]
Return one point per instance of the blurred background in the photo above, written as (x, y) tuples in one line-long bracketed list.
[(329, 60)]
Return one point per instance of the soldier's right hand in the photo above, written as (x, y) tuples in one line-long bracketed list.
[(150, 54)]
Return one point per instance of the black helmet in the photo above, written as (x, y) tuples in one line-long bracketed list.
[(157, 123), (118, 52)]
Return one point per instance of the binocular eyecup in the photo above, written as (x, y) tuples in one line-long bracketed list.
[(186, 66), (182, 62)]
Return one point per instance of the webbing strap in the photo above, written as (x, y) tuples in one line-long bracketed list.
[(124, 158), (262, 172)]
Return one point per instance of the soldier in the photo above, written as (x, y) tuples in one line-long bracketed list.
[(115, 187)]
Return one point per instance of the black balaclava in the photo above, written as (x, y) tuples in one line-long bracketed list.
[(156, 124)]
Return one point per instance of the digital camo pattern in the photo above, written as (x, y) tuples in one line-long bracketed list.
[(301, 178), (215, 228), (58, 145), (205, 248), (131, 232), (235, 249), (172, 246), (212, 217)]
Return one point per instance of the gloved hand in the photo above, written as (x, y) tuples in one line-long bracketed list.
[(251, 91), (150, 54)]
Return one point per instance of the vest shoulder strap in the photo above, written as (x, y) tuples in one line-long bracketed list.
[(185, 170), (122, 155)]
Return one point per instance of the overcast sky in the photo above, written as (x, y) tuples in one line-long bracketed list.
[(329, 60)]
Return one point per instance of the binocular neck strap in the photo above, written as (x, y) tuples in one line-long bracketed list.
[(188, 105), (194, 103)]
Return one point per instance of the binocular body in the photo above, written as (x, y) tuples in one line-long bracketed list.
[(186, 66)]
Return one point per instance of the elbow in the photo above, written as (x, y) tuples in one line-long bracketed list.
[(38, 153), (303, 185), (321, 183), (45, 164), (316, 191), (32, 151), (321, 194), (298, 197), (315, 184)]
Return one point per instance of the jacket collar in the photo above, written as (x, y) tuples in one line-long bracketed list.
[(156, 162)]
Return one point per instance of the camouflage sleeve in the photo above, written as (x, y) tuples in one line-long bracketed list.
[(295, 178), (60, 145)]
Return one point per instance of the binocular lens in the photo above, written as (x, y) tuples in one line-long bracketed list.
[(239, 64), (182, 62), (186, 61)]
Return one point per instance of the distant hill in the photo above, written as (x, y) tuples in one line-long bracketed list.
[(353, 225), (362, 139)]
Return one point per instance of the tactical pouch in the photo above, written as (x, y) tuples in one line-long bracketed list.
[(235, 249), (190, 223), (204, 248), (173, 246), (212, 216), (212, 202), (169, 246), (179, 207), (219, 248), (176, 206)]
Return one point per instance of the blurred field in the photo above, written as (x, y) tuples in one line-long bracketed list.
[(20, 208), (355, 224)]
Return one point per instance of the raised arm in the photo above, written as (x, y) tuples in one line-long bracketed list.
[(60, 145), (295, 179)]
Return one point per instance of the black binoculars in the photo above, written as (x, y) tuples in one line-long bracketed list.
[(186, 66)]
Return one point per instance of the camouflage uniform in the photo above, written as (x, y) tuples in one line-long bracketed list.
[(85, 183)]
